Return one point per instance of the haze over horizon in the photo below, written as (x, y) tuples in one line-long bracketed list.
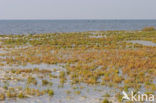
[(77, 9)]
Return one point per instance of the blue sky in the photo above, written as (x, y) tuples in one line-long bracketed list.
[(77, 9)]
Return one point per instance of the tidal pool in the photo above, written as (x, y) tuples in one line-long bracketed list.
[(143, 42), (69, 93)]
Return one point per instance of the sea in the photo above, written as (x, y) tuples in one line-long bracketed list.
[(52, 26)]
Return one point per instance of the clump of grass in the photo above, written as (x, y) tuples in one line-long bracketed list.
[(46, 82), (50, 92), (78, 92), (31, 80), (21, 95), (68, 92), (10, 95), (5, 87), (151, 28), (106, 101), (2, 96), (34, 92), (119, 97), (107, 95), (62, 74), (62, 77), (117, 79)]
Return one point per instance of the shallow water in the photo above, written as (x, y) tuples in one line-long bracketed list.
[(142, 42), (32, 66), (47, 26), (89, 93)]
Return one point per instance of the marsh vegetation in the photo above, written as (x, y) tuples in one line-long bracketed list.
[(85, 62)]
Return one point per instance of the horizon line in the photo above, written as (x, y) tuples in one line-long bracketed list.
[(77, 19)]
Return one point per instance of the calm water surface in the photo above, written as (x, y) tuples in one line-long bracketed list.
[(48, 26)]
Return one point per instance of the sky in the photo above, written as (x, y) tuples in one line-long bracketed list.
[(77, 9)]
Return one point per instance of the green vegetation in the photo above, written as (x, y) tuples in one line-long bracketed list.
[(46, 82), (149, 28), (106, 101), (31, 80), (50, 92), (20, 95), (2, 96)]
